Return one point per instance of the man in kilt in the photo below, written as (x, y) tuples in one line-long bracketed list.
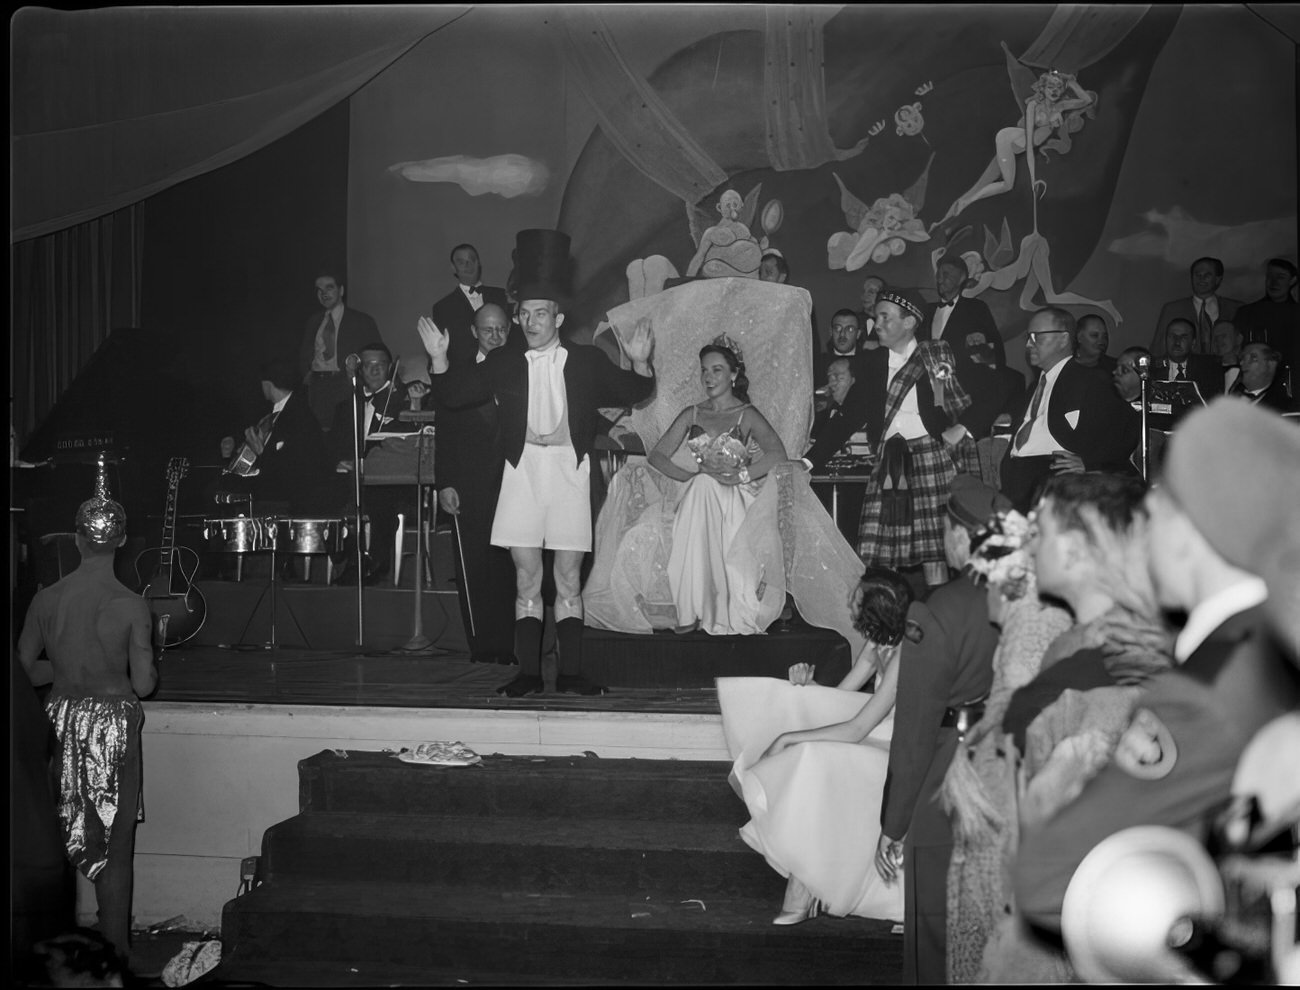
[(907, 398)]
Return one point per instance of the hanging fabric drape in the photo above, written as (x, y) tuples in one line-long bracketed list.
[(1077, 35), (794, 90), (632, 115), (111, 106)]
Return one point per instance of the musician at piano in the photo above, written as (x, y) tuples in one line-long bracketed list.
[(328, 338), (380, 398), (282, 460)]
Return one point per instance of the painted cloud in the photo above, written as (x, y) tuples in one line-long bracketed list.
[(1182, 239), (505, 175)]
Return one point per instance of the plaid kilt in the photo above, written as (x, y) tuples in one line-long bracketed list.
[(933, 467)]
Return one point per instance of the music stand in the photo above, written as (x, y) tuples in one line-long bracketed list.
[(406, 459)]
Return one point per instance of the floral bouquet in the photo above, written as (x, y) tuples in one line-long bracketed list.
[(1000, 553)]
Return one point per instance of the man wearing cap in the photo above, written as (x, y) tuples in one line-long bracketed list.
[(1071, 421), (907, 398), (548, 399), (455, 311), (95, 634), (1208, 532), (943, 675)]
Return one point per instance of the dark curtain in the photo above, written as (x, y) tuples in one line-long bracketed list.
[(69, 289)]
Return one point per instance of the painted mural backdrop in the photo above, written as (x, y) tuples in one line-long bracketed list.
[(1071, 154)]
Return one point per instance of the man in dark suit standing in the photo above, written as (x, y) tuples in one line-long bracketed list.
[(548, 400), (469, 469), (455, 311), (1182, 364), (948, 670), (954, 316), (328, 338), (1071, 421), (379, 401), (1175, 763), (1201, 309)]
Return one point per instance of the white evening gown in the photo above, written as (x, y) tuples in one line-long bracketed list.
[(814, 807)]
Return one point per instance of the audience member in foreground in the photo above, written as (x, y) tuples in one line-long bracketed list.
[(96, 636), (1175, 762), (1089, 551), (814, 790), (943, 685)]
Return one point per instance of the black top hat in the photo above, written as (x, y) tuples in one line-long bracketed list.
[(543, 266)]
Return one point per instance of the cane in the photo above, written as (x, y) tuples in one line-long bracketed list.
[(464, 574)]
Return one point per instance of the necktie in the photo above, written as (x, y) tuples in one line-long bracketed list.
[(1182, 373), (329, 335), (1022, 434), (1205, 327)]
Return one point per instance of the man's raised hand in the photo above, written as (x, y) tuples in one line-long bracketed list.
[(640, 345), (433, 339)]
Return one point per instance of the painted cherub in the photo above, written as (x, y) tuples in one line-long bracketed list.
[(727, 248), (1052, 111), (881, 230)]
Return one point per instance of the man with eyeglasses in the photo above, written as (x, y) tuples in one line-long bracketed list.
[(1071, 421), (380, 400)]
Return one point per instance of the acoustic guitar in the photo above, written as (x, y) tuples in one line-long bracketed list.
[(177, 605)]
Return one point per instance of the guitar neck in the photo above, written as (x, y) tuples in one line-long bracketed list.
[(169, 532)]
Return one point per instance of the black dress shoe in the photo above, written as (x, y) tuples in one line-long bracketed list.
[(577, 684), (522, 685), (489, 657)]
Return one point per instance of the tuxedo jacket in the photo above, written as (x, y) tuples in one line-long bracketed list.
[(1192, 724), (1273, 397), (455, 316), (1106, 428), (864, 409), (393, 397), (295, 464), (1206, 371), (968, 315), (356, 330), (1185, 309), (591, 382)]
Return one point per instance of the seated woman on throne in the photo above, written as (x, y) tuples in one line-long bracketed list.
[(735, 448)]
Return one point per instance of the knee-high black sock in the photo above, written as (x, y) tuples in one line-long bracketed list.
[(528, 646), (569, 634)]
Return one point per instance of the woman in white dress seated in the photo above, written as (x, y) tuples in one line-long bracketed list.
[(811, 761), (734, 448)]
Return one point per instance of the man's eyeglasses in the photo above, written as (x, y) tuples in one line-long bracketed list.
[(1033, 337)]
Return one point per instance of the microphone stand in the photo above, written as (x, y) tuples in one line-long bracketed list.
[(356, 482), (1144, 374)]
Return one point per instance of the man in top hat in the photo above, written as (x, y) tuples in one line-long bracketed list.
[(1208, 535), (548, 399), (946, 673), (907, 398), (455, 311), (96, 636)]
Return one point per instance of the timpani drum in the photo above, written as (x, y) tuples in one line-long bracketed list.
[(312, 535), (243, 534)]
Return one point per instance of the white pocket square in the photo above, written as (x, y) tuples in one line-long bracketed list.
[(1072, 417), (279, 445)]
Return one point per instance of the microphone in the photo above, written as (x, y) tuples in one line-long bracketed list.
[(1144, 365), (351, 362)]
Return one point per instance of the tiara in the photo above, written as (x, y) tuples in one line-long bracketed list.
[(722, 340)]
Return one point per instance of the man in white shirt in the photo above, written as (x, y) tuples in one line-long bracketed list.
[(1072, 420)]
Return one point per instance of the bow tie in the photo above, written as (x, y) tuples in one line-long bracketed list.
[(945, 305), (374, 397), (474, 290)]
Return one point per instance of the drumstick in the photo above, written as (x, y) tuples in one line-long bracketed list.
[(464, 573)]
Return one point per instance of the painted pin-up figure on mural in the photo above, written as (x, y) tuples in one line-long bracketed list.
[(728, 248), (1056, 104)]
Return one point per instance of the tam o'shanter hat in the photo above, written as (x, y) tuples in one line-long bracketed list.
[(100, 520), (543, 266)]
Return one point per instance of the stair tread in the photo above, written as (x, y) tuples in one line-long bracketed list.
[(613, 833), (500, 763), (590, 911)]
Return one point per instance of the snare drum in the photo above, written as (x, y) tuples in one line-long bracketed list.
[(240, 535), (314, 536)]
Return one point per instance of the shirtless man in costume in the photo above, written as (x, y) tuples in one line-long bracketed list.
[(90, 636)]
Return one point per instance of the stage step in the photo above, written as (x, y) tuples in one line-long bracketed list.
[(528, 870), (522, 787), (450, 931)]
